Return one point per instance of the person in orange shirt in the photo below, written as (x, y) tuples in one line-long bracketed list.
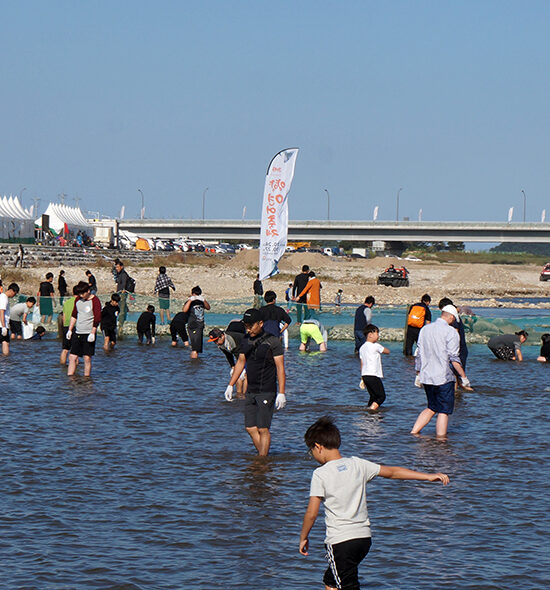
[(313, 292)]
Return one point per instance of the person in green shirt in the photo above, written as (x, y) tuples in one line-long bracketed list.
[(68, 306)]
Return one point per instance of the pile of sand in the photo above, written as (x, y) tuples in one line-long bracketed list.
[(475, 276)]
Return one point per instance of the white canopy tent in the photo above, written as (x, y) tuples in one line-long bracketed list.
[(62, 214), (16, 223)]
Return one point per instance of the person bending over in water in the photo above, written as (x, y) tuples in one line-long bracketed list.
[(544, 356), (507, 347)]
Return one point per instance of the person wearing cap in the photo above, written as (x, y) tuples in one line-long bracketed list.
[(438, 351), (262, 353), (507, 347), (229, 342), (458, 325)]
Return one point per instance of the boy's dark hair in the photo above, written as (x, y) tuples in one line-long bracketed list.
[(369, 328), (545, 338), (115, 297), (305, 268), (270, 296), (75, 289), (151, 308), (369, 299), (426, 298), (88, 272), (61, 272), (14, 287), (162, 270), (196, 290), (82, 288), (443, 302), (311, 273), (49, 275), (522, 333), (323, 432), (40, 330), (31, 300)]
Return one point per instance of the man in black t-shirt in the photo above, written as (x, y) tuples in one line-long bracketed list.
[(262, 353), (300, 282), (258, 292), (273, 315)]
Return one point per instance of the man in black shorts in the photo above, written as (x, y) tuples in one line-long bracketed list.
[(262, 354)]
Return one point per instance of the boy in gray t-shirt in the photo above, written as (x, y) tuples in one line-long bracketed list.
[(341, 483)]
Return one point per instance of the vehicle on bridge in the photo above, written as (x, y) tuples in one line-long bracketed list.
[(394, 277)]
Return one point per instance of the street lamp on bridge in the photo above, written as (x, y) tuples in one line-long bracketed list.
[(524, 204), (203, 199), (21, 195), (397, 205), (328, 205), (142, 204)]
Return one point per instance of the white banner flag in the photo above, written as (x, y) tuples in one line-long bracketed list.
[(375, 213), (274, 229), (510, 214)]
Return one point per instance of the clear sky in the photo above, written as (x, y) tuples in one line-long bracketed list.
[(448, 100)]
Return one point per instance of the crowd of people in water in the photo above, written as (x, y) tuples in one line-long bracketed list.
[(254, 348)]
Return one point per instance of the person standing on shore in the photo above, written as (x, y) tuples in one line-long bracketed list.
[(262, 354), (85, 320), (300, 282), (437, 352), (45, 297), (363, 317), (92, 282), (163, 285), (258, 292), (418, 316)]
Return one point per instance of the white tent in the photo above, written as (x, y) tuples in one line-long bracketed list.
[(15, 222), (61, 215)]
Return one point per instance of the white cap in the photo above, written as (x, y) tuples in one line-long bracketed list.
[(452, 310)]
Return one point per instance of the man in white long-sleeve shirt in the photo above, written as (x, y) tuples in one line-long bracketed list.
[(438, 346)]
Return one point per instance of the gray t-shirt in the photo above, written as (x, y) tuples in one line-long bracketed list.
[(17, 311), (509, 340), (342, 485)]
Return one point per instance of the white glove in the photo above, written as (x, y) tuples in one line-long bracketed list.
[(280, 401), (465, 382), (362, 384), (69, 334), (4, 331), (417, 382), (152, 340), (91, 337), (229, 393)]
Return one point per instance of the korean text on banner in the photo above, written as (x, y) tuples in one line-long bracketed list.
[(274, 229)]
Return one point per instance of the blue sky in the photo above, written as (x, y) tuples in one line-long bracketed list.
[(448, 100)]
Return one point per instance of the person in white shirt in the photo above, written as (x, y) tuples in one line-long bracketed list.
[(11, 291), (370, 355), (341, 483)]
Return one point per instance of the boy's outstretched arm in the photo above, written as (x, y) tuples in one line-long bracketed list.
[(309, 520), (403, 473)]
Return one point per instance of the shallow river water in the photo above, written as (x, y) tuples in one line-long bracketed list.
[(143, 476)]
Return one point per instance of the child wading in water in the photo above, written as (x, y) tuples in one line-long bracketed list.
[(370, 354), (341, 483)]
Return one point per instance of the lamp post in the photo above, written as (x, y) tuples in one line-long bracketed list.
[(21, 195), (397, 205), (524, 204), (142, 203), (203, 200), (328, 205)]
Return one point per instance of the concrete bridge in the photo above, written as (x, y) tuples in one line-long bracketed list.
[(356, 231)]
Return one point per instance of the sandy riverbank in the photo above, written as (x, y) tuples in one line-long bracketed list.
[(228, 279)]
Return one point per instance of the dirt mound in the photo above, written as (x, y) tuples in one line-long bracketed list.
[(475, 275)]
